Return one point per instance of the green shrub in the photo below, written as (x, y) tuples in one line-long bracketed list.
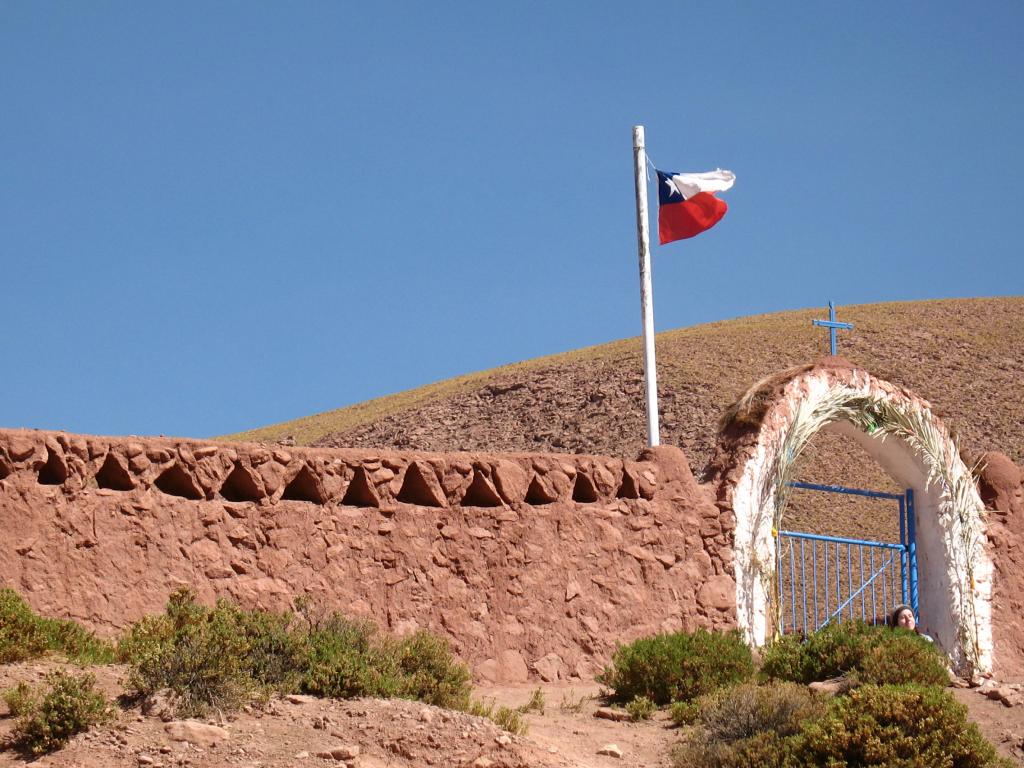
[(677, 667), (535, 704), (747, 710), (276, 659), (571, 703), (747, 725), (69, 705), (764, 750), (346, 660), (21, 633), (873, 654), (684, 712), (216, 658), (198, 652), (21, 699), (784, 659), (903, 657), (909, 725), (896, 725), (641, 708), (143, 638), (428, 672), (26, 635), (835, 649), (510, 720)]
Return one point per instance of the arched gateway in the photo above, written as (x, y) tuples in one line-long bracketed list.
[(763, 435)]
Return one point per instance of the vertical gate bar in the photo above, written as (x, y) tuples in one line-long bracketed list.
[(860, 586), (892, 595), (814, 576), (839, 586), (803, 581), (874, 607), (885, 599), (824, 550), (849, 575), (912, 535), (894, 599), (892, 586), (903, 520), (792, 582), (904, 551), (782, 605)]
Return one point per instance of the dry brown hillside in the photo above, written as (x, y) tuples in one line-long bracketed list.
[(964, 355)]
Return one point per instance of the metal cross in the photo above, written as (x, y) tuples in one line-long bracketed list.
[(832, 326)]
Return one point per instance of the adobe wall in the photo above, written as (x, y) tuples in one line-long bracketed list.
[(533, 565), (1001, 484)]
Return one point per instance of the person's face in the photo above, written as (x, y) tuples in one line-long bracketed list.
[(906, 619)]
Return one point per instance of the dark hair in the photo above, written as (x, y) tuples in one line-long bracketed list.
[(894, 617)]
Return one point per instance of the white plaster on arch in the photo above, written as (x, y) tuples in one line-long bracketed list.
[(949, 541)]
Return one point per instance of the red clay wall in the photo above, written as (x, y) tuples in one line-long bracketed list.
[(530, 564), (1000, 485)]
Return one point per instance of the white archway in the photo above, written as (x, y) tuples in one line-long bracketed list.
[(900, 432)]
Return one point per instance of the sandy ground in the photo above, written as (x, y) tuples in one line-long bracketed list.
[(401, 734)]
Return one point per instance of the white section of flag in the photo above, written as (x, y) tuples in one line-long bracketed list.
[(689, 184)]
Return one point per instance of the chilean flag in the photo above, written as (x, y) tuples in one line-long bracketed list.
[(687, 205)]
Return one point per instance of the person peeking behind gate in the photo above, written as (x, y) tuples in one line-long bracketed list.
[(903, 618)]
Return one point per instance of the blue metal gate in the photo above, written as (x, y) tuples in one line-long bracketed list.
[(821, 578)]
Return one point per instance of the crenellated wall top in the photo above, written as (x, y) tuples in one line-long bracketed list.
[(267, 474)]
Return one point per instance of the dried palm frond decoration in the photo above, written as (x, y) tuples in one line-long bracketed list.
[(914, 424)]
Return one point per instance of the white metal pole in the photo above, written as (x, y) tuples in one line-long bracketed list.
[(646, 294)]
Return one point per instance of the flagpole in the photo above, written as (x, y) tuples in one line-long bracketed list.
[(646, 293)]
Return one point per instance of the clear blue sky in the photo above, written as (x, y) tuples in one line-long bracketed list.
[(214, 216)]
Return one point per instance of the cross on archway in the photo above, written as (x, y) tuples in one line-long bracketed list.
[(833, 325)]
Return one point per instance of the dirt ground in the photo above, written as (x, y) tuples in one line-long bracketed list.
[(301, 731)]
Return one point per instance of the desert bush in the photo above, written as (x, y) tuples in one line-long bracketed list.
[(346, 659), (509, 719), (198, 652), (784, 659), (641, 708), (535, 704), (26, 635), (678, 666), (905, 725), (276, 659), (903, 657), (764, 750), (684, 712), (216, 658), (572, 703), (21, 699), (835, 649), (21, 635), (67, 705), (874, 654), (745, 710), (748, 724), (908, 725), (429, 672)]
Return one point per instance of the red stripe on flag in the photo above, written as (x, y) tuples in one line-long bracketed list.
[(679, 221)]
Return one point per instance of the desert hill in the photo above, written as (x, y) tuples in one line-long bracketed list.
[(964, 355)]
